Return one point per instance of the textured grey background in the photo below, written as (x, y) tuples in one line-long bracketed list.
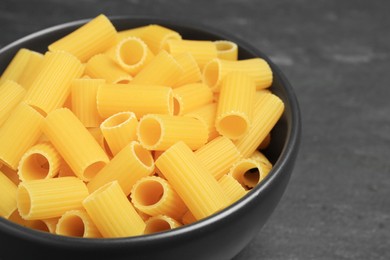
[(336, 54)]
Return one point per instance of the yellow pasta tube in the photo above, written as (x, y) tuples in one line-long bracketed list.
[(11, 93), (98, 135), (51, 86), (191, 96), (207, 115), (198, 189), (215, 70), (226, 50), (51, 224), (18, 65), (267, 111), (266, 165), (159, 132), (112, 212), (77, 223), (218, 156), (21, 130), (83, 95), (163, 70), (93, 37), (203, 51), (235, 105), (74, 143), (119, 130), (188, 218), (7, 196), (11, 174), (248, 172), (155, 196), (65, 170), (41, 161), (31, 70), (49, 198), (141, 100), (131, 164), (191, 70), (132, 54), (157, 36), (102, 66), (232, 188), (160, 223), (134, 32)]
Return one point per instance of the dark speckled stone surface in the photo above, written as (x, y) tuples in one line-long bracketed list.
[(336, 54)]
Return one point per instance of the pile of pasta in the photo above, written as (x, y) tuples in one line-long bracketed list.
[(123, 133)]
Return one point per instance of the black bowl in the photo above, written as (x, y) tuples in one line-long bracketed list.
[(221, 236)]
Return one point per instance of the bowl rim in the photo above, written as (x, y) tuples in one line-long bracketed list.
[(287, 155)]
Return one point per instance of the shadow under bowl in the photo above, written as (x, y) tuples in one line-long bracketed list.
[(220, 236)]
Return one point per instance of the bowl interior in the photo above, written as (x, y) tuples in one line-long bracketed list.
[(285, 134)]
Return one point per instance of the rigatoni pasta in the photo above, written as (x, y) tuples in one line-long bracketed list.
[(51, 86), (11, 93), (7, 196), (163, 70), (42, 161), (190, 97), (16, 69), (49, 198), (119, 130), (226, 50), (216, 69), (129, 143), (235, 105), (218, 155), (101, 66), (141, 100), (157, 36), (131, 164), (159, 132), (112, 212), (188, 177), (93, 37), (132, 54), (84, 105), (155, 196), (202, 51), (75, 144), (18, 133), (76, 223), (267, 111), (160, 223)]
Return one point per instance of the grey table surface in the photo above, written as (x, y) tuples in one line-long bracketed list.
[(336, 54)]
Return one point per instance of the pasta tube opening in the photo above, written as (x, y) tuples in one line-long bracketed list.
[(252, 177), (143, 155), (176, 106), (24, 201), (132, 54), (35, 166), (248, 172), (226, 50), (93, 169), (40, 225), (211, 73), (160, 223), (225, 45), (232, 126), (118, 119), (150, 131), (72, 225), (148, 192)]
